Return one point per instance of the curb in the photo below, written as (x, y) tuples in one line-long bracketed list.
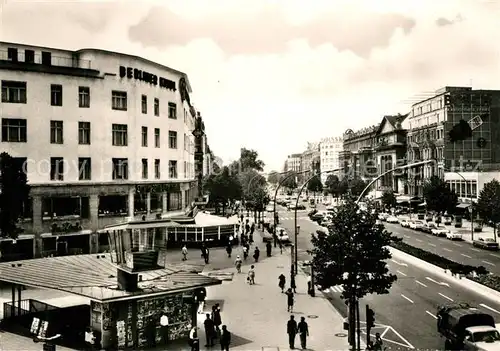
[(464, 282)]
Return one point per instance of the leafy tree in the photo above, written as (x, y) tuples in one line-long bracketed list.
[(14, 193), (389, 199), (273, 178), (315, 184), (223, 188), (353, 254), (251, 180), (438, 195), (290, 182), (353, 186), (332, 185), (488, 204)]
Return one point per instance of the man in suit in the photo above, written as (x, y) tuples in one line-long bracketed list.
[(303, 332), (225, 339), (291, 329), (209, 331)]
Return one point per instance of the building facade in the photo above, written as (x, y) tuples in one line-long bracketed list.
[(102, 136), (358, 158), (310, 158), (293, 163), (329, 149), (458, 128)]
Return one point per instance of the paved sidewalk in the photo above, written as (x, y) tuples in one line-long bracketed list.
[(256, 314)]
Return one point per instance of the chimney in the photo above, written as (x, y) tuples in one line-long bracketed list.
[(127, 281)]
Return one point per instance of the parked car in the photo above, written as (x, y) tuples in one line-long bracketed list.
[(416, 225), (269, 208), (317, 217), (453, 236), (447, 220), (428, 227), (301, 207), (486, 243), (383, 216), (392, 219), (404, 223), (312, 213), (282, 235), (440, 231), (291, 206)]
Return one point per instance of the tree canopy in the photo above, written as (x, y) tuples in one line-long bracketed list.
[(488, 204), (223, 187), (353, 253), (273, 178), (438, 195), (290, 182), (315, 184), (389, 199), (258, 199), (251, 180), (14, 194), (332, 185), (352, 186)]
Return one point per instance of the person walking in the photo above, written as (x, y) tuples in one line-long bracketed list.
[(269, 249), (293, 286), (282, 282), (245, 251), (378, 345), (252, 228), (209, 331), (289, 299), (225, 339), (184, 252), (291, 329), (229, 250), (238, 263), (303, 329), (256, 254), (216, 317), (251, 275), (194, 341)]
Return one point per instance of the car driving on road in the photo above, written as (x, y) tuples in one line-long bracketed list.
[(416, 225), (440, 231), (486, 243), (453, 236), (404, 223), (428, 227), (392, 219)]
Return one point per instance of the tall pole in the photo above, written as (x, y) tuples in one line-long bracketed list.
[(295, 210)]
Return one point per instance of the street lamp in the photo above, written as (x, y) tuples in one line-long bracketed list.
[(416, 164), (297, 203)]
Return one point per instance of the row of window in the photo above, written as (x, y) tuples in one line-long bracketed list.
[(463, 188), (15, 130), (120, 168), (16, 92)]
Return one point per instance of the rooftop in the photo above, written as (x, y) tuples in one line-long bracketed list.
[(94, 276)]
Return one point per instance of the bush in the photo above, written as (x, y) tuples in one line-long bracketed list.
[(490, 280)]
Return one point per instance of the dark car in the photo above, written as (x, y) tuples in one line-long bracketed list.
[(313, 212), (317, 217), (301, 207), (486, 243)]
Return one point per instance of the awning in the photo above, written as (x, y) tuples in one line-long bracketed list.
[(403, 198), (463, 205)]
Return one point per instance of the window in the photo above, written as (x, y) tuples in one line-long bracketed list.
[(144, 135), (84, 168), (56, 95), (13, 92), (120, 136), (83, 96), (185, 142), (157, 107), (172, 169), (46, 58), (84, 133), (144, 104), (119, 100), (56, 168), (56, 132), (29, 56), (185, 169), (157, 137), (144, 168), (120, 168), (172, 139), (157, 169), (172, 110), (21, 163), (14, 130), (12, 54)]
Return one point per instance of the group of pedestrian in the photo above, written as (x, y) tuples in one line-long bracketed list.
[(215, 330), (292, 329)]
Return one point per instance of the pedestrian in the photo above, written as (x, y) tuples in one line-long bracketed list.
[(241, 217), (225, 339), (251, 275), (309, 285), (194, 341), (229, 250), (289, 299), (238, 263), (245, 252), (209, 331), (269, 249), (207, 255), (250, 238), (303, 329), (378, 344), (252, 228), (216, 317), (291, 329), (184, 252), (293, 286), (256, 254), (282, 282), (281, 247), (247, 228)]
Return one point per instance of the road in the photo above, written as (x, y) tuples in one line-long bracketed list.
[(406, 316)]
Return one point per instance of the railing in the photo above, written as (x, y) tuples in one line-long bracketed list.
[(28, 306), (74, 62)]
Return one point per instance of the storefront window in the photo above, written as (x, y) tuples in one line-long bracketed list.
[(175, 202), (56, 207), (113, 205)]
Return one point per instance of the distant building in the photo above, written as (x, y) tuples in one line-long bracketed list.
[(311, 158), (293, 162), (358, 157), (329, 149)]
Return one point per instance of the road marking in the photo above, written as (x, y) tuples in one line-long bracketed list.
[(421, 283), (337, 288), (446, 297), (404, 297), (434, 281), (475, 250), (431, 244), (401, 337), (406, 236), (496, 256), (466, 255), (400, 263), (403, 274), (459, 245), (488, 262), (430, 314), (419, 240), (489, 308), (445, 249)]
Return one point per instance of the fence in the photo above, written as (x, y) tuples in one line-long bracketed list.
[(28, 306)]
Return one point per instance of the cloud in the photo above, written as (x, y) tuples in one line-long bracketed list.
[(442, 22), (270, 30)]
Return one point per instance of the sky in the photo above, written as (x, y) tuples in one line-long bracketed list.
[(274, 75)]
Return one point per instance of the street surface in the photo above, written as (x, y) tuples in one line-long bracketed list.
[(406, 316)]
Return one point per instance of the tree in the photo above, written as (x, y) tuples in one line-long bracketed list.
[(332, 185), (223, 187), (250, 180), (353, 254), (14, 193), (438, 195), (354, 186), (273, 178), (488, 204), (290, 182), (315, 184), (389, 199)]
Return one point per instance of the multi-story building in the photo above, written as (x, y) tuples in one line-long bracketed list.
[(102, 136), (390, 152), (310, 158), (475, 148), (293, 163), (330, 149), (358, 156)]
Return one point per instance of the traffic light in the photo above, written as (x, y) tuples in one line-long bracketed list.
[(370, 317)]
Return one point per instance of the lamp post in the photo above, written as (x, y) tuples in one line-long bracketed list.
[(295, 211), (276, 195)]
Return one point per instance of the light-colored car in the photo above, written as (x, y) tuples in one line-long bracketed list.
[(440, 231), (269, 208), (486, 243), (282, 235), (383, 216), (416, 225), (291, 206), (453, 236), (392, 219), (404, 223)]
